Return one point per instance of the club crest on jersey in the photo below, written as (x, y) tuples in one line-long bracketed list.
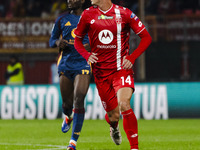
[(104, 104), (105, 36), (105, 17), (118, 20)]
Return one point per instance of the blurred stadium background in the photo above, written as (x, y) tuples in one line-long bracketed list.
[(25, 28), (167, 76)]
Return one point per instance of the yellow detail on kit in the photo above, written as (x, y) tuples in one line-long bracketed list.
[(59, 58), (85, 71), (72, 33), (68, 24)]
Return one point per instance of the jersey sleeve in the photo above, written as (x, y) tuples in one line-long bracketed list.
[(83, 25), (55, 35), (136, 25), (139, 29)]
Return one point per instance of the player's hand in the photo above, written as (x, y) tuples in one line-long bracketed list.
[(126, 64), (62, 44), (93, 58)]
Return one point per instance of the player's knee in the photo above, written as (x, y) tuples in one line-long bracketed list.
[(113, 117), (79, 100), (79, 95), (124, 105), (116, 116)]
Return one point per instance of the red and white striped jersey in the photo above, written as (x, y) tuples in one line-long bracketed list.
[(109, 33)]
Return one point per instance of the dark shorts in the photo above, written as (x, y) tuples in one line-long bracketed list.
[(71, 74)]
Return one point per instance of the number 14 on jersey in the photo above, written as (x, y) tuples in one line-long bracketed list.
[(127, 80)]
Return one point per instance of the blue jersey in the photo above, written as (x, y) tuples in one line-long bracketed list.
[(70, 59)]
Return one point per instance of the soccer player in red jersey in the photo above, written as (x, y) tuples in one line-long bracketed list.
[(108, 27)]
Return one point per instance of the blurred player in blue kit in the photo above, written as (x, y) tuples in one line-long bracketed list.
[(74, 71)]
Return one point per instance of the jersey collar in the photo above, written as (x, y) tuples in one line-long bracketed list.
[(106, 10)]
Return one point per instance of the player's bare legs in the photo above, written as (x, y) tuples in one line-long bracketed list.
[(81, 85), (124, 96), (66, 88), (113, 116), (129, 120)]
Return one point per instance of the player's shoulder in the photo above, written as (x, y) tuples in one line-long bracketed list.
[(90, 10), (125, 12), (122, 9)]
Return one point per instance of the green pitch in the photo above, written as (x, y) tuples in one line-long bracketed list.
[(181, 134)]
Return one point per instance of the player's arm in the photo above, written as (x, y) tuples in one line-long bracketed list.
[(80, 32), (55, 40), (143, 45), (146, 40), (90, 57), (86, 43)]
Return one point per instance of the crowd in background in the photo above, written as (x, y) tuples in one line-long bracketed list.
[(52, 8)]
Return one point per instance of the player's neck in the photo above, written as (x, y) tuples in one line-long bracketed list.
[(105, 5), (78, 11)]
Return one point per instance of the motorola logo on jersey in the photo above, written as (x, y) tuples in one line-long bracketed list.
[(105, 37)]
